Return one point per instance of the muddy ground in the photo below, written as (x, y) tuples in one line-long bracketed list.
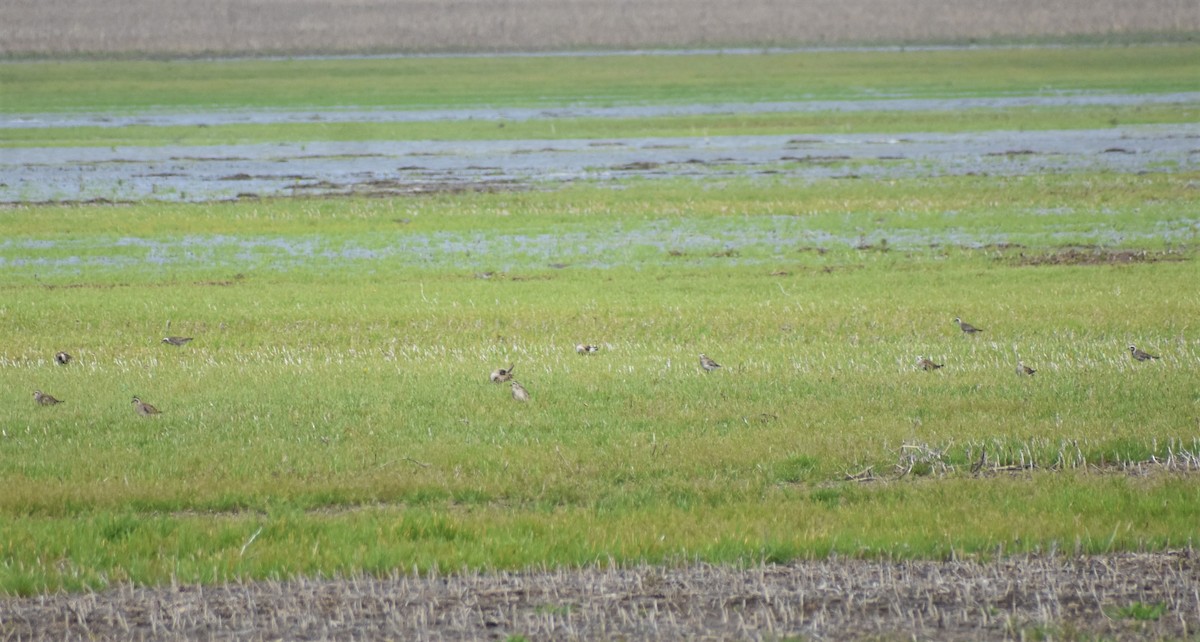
[(1119, 596), (387, 168)]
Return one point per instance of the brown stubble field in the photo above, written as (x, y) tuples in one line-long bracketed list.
[(215, 27), (835, 599)]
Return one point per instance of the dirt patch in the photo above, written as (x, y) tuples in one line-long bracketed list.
[(1120, 597), (182, 27), (1094, 256)]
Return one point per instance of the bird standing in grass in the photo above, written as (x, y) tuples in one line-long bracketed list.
[(967, 328), (45, 399), (927, 364), (583, 348), (1141, 355), (176, 341), (519, 392), (708, 364), (1024, 370), (144, 409), (62, 358), (500, 375)]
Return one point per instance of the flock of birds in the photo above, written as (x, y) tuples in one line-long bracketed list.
[(501, 375), (925, 363), (140, 407), (520, 393)]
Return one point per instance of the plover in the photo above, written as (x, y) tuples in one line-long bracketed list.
[(62, 358), (967, 328), (1141, 355), (583, 348), (519, 392), (144, 409), (708, 364), (176, 341), (928, 364), (500, 375), (45, 399), (1023, 369)]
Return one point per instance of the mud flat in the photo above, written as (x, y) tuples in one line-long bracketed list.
[(227, 172), (1119, 597)]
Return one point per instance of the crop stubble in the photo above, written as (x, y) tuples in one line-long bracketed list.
[(1115, 596), (183, 27)]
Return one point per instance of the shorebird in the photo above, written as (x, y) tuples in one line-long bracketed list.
[(928, 364), (45, 399), (500, 375), (62, 358), (708, 364), (583, 348), (967, 328), (1141, 355), (176, 341), (1023, 369), (519, 392), (144, 409)]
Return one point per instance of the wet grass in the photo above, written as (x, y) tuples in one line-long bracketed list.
[(653, 223), (334, 414), (426, 83), (892, 122)]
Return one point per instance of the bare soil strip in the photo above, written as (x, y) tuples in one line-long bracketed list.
[(184, 27), (1121, 597)]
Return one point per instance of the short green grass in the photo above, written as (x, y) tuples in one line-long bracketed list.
[(334, 413), (124, 86)]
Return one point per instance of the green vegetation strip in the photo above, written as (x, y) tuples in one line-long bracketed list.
[(426, 83), (895, 122), (334, 413), (1087, 514)]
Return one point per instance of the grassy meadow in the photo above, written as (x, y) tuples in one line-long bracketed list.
[(556, 81), (334, 413)]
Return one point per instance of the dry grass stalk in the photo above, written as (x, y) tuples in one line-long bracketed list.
[(1011, 598)]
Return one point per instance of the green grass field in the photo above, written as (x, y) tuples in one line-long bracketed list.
[(334, 412), (121, 87)]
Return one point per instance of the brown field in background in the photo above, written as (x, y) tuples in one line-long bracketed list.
[(197, 27)]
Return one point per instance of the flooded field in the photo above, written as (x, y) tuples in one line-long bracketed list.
[(228, 172), (756, 240), (387, 168)]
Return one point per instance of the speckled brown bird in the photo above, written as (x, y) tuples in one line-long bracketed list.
[(62, 358), (967, 328), (44, 399), (708, 364), (1025, 370), (1141, 355), (584, 348), (927, 364), (176, 341), (519, 392), (144, 409), (500, 375)]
